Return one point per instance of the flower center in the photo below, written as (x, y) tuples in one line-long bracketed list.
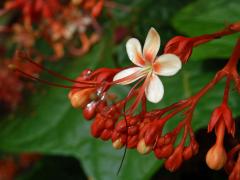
[(148, 68)]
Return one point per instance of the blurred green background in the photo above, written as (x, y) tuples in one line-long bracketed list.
[(47, 124)]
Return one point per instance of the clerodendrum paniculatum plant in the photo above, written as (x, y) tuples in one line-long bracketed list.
[(126, 126)]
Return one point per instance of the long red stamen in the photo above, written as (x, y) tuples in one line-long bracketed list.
[(100, 70), (140, 95), (48, 82), (55, 74)]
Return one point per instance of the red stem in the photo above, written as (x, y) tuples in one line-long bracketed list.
[(231, 66), (232, 28), (226, 91), (233, 151)]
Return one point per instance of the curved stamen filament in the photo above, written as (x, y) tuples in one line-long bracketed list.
[(51, 83), (55, 74), (140, 94)]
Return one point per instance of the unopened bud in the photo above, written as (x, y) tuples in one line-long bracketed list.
[(81, 98), (187, 152), (132, 141), (164, 152), (216, 157), (133, 130), (195, 147), (175, 160), (89, 111), (117, 144), (106, 135), (109, 124), (142, 148), (151, 134), (180, 46), (121, 126), (97, 126), (160, 142)]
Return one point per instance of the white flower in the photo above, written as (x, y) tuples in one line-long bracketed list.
[(148, 65)]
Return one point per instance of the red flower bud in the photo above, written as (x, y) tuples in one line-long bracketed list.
[(195, 147), (164, 152), (132, 141), (133, 121), (117, 144), (115, 135), (143, 128), (187, 152), (89, 111), (142, 148), (98, 126), (101, 105), (133, 130), (109, 124), (175, 160), (216, 157), (81, 98), (106, 135), (180, 46), (123, 138), (160, 142), (151, 134), (121, 126)]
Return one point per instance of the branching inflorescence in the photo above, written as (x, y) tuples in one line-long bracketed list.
[(120, 122)]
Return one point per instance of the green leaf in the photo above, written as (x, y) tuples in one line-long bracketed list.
[(204, 17)]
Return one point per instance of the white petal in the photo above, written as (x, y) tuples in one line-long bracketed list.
[(154, 91), (167, 65), (128, 76), (134, 51), (151, 45)]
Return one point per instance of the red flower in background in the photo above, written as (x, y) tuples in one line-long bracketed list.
[(33, 11), (11, 166), (59, 23), (12, 85)]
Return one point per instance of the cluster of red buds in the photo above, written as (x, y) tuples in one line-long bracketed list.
[(121, 122), (11, 166), (63, 25)]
